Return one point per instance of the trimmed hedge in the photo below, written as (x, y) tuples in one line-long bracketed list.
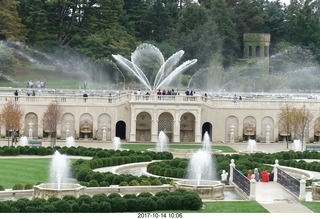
[(102, 203)]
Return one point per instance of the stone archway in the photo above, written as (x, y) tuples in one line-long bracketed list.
[(207, 127), (86, 126), (267, 129), (231, 129), (165, 124), (68, 126), (30, 126), (187, 127), (249, 128), (121, 130), (104, 128), (143, 127)]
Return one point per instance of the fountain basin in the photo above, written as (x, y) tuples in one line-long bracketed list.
[(206, 189), (47, 190)]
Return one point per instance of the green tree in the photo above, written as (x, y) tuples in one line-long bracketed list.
[(222, 18), (197, 35), (303, 24), (11, 27)]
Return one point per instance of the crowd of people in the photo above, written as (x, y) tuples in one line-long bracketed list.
[(36, 84), (264, 176)]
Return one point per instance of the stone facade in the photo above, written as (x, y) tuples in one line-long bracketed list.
[(137, 118)]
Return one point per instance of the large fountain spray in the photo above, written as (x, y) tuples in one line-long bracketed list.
[(201, 164), (59, 169), (147, 53), (162, 142)]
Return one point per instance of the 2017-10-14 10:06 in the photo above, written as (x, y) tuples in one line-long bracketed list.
[(160, 215)]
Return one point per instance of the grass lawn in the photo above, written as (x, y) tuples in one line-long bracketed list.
[(314, 206), (24, 171), (144, 147), (228, 207)]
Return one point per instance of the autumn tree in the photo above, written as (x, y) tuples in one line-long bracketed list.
[(301, 119), (51, 119), (11, 115), (285, 121)]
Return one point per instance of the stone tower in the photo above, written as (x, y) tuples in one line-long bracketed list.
[(256, 46)]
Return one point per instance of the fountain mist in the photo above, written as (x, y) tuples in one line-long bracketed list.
[(116, 143), (162, 143), (70, 141), (252, 146), (59, 169)]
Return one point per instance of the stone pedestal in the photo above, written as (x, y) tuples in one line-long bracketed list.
[(30, 130), (268, 134), (231, 134), (104, 134)]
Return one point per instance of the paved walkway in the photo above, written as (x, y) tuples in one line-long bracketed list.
[(273, 197)]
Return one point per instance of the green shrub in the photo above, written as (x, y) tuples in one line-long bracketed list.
[(104, 207), (93, 183), (119, 204), (114, 195), (146, 204), (1, 188), (156, 182), (123, 183), (18, 186), (134, 183), (191, 202), (28, 186), (145, 183), (104, 184)]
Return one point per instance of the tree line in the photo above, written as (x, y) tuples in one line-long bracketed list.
[(206, 30)]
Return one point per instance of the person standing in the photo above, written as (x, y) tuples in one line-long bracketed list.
[(85, 97), (16, 94), (256, 174), (250, 174)]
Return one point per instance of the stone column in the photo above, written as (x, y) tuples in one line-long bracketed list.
[(253, 182), (154, 126), (232, 165), (275, 171), (302, 195), (133, 125), (176, 127), (198, 136)]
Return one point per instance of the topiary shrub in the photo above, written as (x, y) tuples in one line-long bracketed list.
[(146, 204), (118, 204), (93, 183), (156, 182), (114, 195), (134, 183), (145, 183), (17, 186), (28, 186), (123, 183), (104, 184), (191, 202)]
